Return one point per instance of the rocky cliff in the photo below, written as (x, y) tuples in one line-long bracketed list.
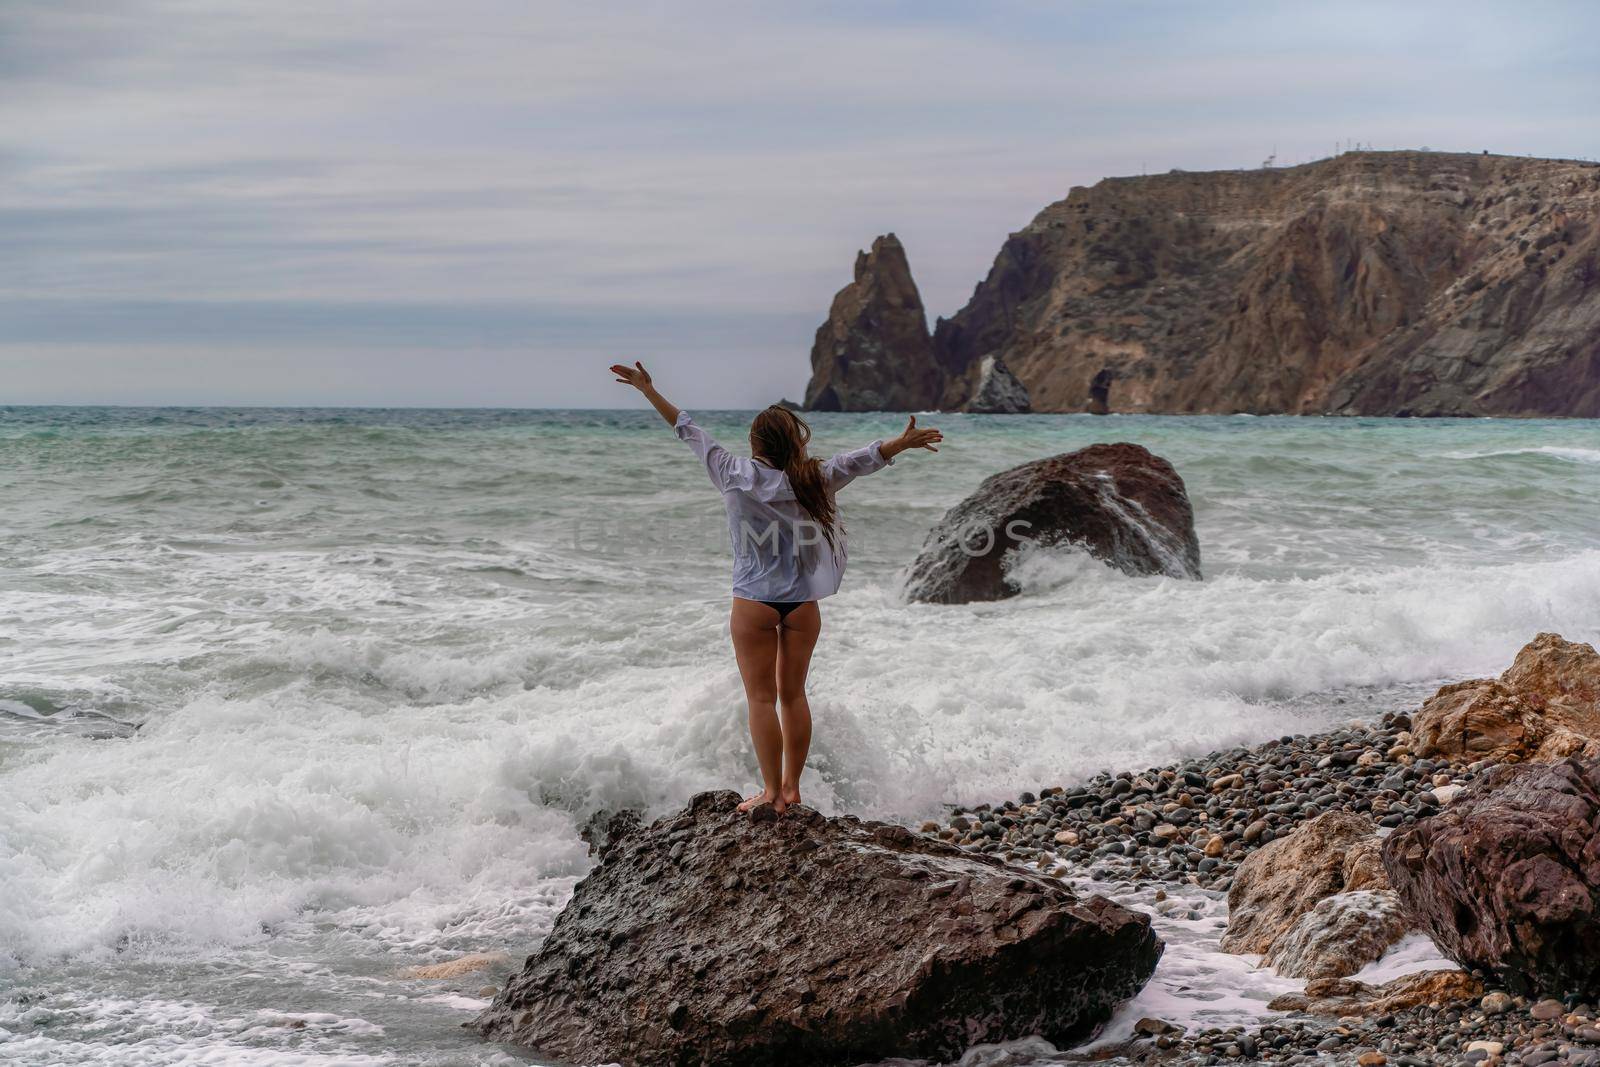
[(1373, 283)]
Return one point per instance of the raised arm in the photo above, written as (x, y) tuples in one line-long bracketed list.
[(846, 467), (725, 469), (639, 378)]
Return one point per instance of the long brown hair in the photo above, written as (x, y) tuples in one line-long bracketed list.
[(779, 436)]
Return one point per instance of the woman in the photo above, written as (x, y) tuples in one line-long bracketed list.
[(788, 553)]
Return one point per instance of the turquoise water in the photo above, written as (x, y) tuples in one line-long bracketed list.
[(291, 700)]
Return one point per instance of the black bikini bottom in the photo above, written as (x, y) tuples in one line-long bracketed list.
[(783, 607)]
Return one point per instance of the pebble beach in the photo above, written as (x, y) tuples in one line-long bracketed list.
[(1170, 839)]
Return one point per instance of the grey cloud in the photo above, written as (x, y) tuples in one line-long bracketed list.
[(226, 176), (414, 323)]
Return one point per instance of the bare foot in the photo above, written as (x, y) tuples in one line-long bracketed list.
[(766, 796), (789, 794)]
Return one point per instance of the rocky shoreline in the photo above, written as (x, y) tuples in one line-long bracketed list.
[(1187, 827), (1309, 894)]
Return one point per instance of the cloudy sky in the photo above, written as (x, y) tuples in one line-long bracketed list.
[(485, 201)]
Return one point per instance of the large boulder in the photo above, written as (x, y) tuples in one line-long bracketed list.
[(1317, 903), (1120, 502), (1283, 880), (1507, 878), (1546, 706), (715, 938)]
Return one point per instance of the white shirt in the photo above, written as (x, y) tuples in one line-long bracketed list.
[(779, 552)]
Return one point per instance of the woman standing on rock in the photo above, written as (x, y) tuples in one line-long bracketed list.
[(788, 553)]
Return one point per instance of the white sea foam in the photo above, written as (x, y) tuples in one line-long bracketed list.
[(1196, 984), (1575, 455), (232, 810), (153, 1031), (1412, 953)]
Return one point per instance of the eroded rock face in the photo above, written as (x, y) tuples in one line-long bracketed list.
[(874, 352), (1507, 878), (1373, 283), (1120, 502), (1546, 706), (1346, 996), (1339, 936), (1283, 880), (714, 938)]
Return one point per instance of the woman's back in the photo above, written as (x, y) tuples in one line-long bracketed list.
[(780, 553)]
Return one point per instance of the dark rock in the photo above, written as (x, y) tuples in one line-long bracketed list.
[(1100, 392), (874, 352), (998, 391), (875, 943), (1507, 877), (1120, 502)]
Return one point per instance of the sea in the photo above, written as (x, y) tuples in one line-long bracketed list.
[(293, 700)]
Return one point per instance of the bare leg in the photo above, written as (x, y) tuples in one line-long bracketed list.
[(755, 645), (796, 638)]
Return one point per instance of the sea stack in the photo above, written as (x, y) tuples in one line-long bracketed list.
[(874, 352)]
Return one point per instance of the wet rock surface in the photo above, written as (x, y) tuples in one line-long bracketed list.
[(1508, 878), (1546, 706), (1457, 1032), (1120, 502), (1197, 821), (1339, 936), (1282, 881), (1371, 1026), (1345, 996), (714, 937)]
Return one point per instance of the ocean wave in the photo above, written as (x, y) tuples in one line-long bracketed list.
[(233, 810), (1575, 455)]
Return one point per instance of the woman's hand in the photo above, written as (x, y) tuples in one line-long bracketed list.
[(639, 378), (911, 437), (635, 375)]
